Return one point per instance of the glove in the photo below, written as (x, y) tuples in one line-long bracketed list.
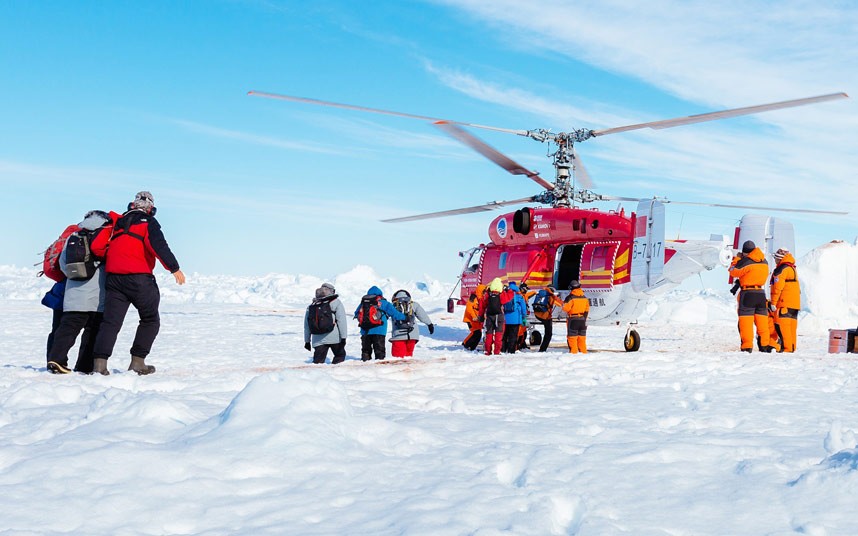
[(735, 288), (343, 342), (307, 346), (524, 321), (481, 319), (772, 308), (431, 329)]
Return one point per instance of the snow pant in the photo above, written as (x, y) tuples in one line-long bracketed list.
[(473, 339), (753, 313), (495, 325), (71, 324), (522, 338), (576, 334), (320, 353), (122, 290), (402, 348), (786, 324), (548, 327), (370, 344), (510, 338), (774, 336), (55, 323)]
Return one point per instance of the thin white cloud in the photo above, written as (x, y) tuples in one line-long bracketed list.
[(256, 139), (719, 55)]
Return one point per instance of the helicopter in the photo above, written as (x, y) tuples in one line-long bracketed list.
[(620, 260)]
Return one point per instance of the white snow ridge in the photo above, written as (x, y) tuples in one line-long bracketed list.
[(238, 433)]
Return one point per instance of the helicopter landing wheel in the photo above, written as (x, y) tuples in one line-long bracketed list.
[(535, 338), (632, 342)]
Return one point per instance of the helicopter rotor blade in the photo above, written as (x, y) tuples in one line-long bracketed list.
[(753, 207), (491, 153), (378, 111), (468, 210), (581, 175), (711, 116)]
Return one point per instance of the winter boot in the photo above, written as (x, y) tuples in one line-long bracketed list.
[(58, 368), (140, 367), (99, 366)]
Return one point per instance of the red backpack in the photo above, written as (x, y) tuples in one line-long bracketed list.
[(370, 315), (51, 261)]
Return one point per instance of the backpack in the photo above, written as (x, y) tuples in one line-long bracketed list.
[(509, 307), (493, 304), (370, 315), (407, 309), (542, 301), (51, 261), (80, 261), (320, 318)]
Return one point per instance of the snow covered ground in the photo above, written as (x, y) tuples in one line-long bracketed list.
[(238, 434)]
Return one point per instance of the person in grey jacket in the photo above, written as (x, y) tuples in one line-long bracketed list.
[(83, 308), (335, 339), (404, 334)]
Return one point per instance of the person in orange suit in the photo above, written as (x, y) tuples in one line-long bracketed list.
[(544, 311), (773, 332), (526, 293), (752, 270), (577, 308), (471, 318), (786, 299)]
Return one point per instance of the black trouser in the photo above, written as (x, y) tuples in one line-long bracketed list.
[(55, 323), (321, 352), (510, 338), (473, 339), (548, 326), (66, 334), (122, 290), (370, 343)]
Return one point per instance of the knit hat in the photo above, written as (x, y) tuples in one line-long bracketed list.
[(496, 285), (748, 246), (523, 286), (325, 290), (781, 253), (574, 284), (143, 200)]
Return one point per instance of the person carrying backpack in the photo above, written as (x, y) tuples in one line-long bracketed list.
[(405, 333), (372, 314), (82, 303), (492, 315), (471, 318), (325, 326), (135, 243), (577, 309), (515, 313), (543, 309)]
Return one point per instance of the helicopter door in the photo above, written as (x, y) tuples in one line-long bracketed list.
[(648, 250), (597, 265), (567, 265)]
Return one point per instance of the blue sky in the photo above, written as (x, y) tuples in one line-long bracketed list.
[(102, 99)]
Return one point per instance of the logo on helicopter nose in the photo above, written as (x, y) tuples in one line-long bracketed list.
[(501, 227)]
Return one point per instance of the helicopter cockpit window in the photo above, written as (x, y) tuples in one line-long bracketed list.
[(502, 261), (473, 261)]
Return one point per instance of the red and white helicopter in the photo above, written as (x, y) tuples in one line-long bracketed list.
[(620, 259)]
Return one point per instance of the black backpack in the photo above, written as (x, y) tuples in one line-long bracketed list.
[(80, 261), (541, 302), (320, 317), (493, 306), (370, 314)]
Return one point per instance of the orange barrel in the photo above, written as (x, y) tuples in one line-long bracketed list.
[(837, 341)]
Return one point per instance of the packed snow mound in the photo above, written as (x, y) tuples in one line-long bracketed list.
[(829, 285), (695, 308)]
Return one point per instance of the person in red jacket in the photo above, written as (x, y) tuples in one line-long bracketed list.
[(130, 252)]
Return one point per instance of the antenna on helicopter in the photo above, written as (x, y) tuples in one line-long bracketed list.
[(568, 165)]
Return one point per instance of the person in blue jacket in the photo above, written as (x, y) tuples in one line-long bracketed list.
[(372, 338), (515, 312)]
